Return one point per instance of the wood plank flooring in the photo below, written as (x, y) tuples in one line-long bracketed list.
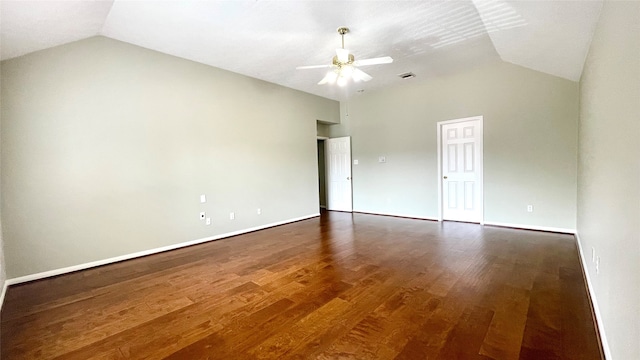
[(342, 286)]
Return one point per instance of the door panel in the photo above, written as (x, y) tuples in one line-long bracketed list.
[(469, 165), (338, 169)]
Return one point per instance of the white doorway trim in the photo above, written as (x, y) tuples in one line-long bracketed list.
[(439, 125)]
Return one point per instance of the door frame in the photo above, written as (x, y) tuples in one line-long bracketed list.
[(324, 164), (439, 126)]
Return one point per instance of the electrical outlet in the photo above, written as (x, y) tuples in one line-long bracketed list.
[(259, 211), (382, 159), (203, 198), (202, 215), (232, 216), (597, 264), (530, 208)]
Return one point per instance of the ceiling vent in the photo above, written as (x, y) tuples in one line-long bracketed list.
[(407, 75)]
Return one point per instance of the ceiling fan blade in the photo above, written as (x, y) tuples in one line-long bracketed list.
[(359, 75), (311, 67), (373, 61), (343, 55), (330, 78)]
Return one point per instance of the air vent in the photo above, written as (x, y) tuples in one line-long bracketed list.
[(408, 75)]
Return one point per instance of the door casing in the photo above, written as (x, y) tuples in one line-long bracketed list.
[(439, 132)]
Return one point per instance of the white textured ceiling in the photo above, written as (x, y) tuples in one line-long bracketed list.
[(268, 39), (555, 39), (27, 26)]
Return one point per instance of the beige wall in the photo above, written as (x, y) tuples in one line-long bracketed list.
[(530, 144), (106, 148), (323, 129), (609, 174)]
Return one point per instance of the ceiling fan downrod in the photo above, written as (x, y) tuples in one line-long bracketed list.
[(342, 31)]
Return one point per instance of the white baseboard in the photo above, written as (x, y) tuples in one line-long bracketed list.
[(532, 227), (89, 265), (397, 215), (594, 301), (500, 224)]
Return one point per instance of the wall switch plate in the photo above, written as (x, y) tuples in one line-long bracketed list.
[(355, 162), (530, 208), (382, 159), (203, 198), (593, 254), (232, 216), (208, 221), (202, 215), (259, 211)]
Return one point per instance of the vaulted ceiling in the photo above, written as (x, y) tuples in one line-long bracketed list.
[(268, 39)]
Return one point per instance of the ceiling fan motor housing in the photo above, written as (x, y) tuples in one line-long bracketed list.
[(339, 64)]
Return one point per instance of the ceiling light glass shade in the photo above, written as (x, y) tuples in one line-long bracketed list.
[(342, 81), (342, 74), (343, 55), (330, 78), (346, 71)]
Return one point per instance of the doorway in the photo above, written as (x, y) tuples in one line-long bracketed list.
[(460, 170), (322, 177)]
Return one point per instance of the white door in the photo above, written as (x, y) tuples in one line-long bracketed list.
[(338, 170), (462, 170)]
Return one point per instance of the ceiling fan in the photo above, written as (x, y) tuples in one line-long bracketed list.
[(344, 66)]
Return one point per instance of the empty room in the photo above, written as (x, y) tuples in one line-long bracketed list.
[(258, 179)]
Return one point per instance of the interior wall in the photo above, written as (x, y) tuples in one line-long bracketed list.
[(323, 129), (609, 174), (107, 147), (530, 144)]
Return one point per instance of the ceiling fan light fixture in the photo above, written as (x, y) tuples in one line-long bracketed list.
[(344, 65)]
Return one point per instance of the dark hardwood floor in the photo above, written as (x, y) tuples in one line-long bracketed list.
[(343, 286)]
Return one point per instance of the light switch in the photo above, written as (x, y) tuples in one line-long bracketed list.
[(203, 198), (355, 162)]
